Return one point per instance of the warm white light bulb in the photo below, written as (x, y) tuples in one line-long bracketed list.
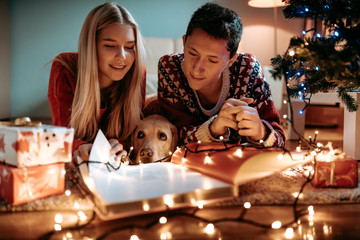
[(134, 237), (289, 233), (81, 215), (58, 218), (57, 227), (210, 228), (146, 207), (163, 220), (247, 205), (238, 153), (207, 160), (276, 225)]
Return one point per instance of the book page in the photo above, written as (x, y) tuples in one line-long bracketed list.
[(137, 182)]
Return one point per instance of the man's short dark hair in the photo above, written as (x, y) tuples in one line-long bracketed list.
[(219, 22)]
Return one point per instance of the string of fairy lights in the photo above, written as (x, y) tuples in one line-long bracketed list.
[(293, 74), (83, 220)]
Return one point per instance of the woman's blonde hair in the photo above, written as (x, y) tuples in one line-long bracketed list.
[(126, 101)]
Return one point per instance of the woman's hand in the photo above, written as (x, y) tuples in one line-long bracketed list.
[(117, 149), (84, 151), (226, 117)]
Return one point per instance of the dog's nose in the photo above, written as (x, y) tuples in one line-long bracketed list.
[(146, 152)]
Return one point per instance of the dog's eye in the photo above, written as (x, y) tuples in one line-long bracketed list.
[(140, 134), (163, 136)]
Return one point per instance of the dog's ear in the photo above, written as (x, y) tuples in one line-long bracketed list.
[(132, 139), (175, 137)]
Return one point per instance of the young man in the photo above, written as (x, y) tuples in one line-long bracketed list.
[(210, 90)]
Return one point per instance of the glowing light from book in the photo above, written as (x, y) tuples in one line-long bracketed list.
[(210, 228), (207, 160), (289, 233), (163, 220), (134, 237), (81, 215), (76, 205), (146, 207), (247, 205), (57, 227), (168, 200), (238, 153), (276, 225), (58, 218), (67, 192)]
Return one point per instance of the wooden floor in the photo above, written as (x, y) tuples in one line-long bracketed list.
[(327, 222)]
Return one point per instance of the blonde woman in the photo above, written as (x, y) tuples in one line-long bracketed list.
[(103, 85)]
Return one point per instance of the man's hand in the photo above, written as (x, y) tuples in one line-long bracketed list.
[(226, 117)]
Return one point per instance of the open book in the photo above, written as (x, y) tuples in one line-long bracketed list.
[(155, 187)]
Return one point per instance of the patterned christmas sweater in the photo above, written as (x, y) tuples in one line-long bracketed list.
[(244, 79)]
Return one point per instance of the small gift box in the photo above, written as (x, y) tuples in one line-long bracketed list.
[(341, 173), (21, 185), (27, 143)]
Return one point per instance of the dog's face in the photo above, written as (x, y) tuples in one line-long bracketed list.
[(153, 139)]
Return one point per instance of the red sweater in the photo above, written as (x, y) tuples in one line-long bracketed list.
[(179, 104), (62, 83)]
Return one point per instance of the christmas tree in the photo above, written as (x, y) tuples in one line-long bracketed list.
[(325, 56)]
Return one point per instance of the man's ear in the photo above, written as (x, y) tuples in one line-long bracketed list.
[(184, 39), (232, 60)]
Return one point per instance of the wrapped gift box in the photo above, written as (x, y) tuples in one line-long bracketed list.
[(21, 185), (342, 173), (24, 146)]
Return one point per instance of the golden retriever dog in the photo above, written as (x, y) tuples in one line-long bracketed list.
[(153, 139)]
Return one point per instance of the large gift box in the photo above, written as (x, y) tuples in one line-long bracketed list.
[(21, 185), (24, 146), (342, 173)]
